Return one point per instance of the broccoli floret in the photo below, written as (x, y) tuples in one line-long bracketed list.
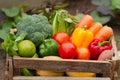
[(36, 26), (40, 37)]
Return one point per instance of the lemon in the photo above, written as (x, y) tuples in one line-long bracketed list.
[(26, 48)]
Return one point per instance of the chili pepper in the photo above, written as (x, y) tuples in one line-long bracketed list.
[(97, 46), (81, 37), (49, 47)]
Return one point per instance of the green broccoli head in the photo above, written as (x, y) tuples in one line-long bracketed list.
[(36, 26), (37, 37)]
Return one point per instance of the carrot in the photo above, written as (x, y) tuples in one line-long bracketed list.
[(104, 33), (95, 27), (86, 20)]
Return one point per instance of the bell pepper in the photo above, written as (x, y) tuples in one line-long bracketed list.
[(81, 37), (49, 47), (97, 46)]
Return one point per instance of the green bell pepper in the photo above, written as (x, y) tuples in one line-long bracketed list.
[(49, 47)]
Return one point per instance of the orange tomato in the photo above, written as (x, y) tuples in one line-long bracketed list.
[(83, 53)]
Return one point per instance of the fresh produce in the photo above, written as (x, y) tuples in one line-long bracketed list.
[(104, 33), (81, 37), (10, 43), (86, 20), (61, 37), (26, 48), (37, 28), (48, 72), (95, 27), (55, 34), (80, 74), (83, 53), (67, 50), (35, 55), (97, 46), (106, 55), (49, 47), (9, 17), (27, 72), (62, 21)]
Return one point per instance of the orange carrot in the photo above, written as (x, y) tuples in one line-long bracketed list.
[(87, 21), (95, 27), (104, 33)]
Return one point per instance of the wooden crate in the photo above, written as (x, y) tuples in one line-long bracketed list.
[(108, 69)]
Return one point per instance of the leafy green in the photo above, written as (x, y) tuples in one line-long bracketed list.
[(10, 43), (98, 18), (78, 16), (11, 12), (14, 15), (115, 4), (62, 21), (3, 34), (5, 28)]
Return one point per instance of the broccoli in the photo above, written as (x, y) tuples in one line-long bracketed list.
[(36, 26)]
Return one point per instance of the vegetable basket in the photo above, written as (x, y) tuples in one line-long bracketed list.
[(107, 69)]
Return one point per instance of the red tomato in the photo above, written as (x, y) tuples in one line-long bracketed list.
[(83, 53), (61, 37), (67, 50)]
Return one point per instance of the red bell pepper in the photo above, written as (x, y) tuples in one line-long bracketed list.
[(96, 47)]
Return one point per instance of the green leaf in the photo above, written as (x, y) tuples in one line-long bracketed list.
[(3, 34), (21, 37), (11, 12), (79, 16), (115, 4), (105, 3), (69, 20), (7, 24), (9, 45), (98, 18)]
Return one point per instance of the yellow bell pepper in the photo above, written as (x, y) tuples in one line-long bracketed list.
[(81, 37)]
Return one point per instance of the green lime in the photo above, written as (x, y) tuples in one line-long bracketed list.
[(26, 48)]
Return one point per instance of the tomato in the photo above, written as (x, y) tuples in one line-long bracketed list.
[(83, 53), (61, 37), (67, 50)]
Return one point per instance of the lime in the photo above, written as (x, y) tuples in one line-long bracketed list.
[(26, 48)]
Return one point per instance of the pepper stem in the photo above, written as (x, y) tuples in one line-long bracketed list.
[(105, 42), (85, 27)]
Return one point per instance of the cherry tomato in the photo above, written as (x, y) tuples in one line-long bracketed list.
[(67, 50), (61, 37), (83, 53)]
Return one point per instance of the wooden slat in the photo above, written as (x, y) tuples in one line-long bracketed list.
[(10, 70), (114, 47), (63, 65), (56, 78)]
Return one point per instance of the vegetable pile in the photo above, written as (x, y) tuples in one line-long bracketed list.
[(62, 35)]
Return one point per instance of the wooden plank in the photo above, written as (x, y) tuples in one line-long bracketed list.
[(114, 47), (57, 78), (63, 65), (10, 70)]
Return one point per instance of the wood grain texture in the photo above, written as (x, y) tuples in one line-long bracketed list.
[(56, 78), (63, 65)]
